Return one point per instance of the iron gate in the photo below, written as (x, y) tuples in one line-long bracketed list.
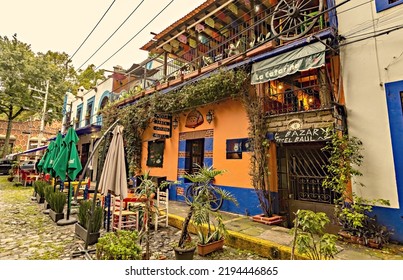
[(301, 170)]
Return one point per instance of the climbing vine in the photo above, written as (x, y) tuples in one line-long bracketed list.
[(259, 165), (221, 85)]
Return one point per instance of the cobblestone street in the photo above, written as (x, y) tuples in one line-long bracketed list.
[(28, 234)]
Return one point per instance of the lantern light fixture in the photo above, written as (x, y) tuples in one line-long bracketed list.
[(210, 116)]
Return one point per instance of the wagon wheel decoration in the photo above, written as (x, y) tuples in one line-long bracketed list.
[(293, 19)]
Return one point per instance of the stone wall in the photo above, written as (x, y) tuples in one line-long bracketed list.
[(22, 131), (311, 119)]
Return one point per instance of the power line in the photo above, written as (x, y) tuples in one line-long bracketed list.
[(93, 29), (112, 34), (135, 35)]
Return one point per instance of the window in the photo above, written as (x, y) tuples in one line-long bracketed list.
[(382, 5), (155, 155), (194, 155), (88, 114), (78, 118)]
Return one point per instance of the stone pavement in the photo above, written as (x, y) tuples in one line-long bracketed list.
[(26, 233)]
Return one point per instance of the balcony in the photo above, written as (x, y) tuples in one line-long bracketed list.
[(301, 92), (212, 37)]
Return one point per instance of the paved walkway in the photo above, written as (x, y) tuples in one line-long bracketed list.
[(274, 242), (27, 233)]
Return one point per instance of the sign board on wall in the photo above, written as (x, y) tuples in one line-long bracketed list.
[(162, 126), (302, 135)]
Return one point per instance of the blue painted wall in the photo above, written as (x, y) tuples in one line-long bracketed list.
[(393, 218), (247, 199)]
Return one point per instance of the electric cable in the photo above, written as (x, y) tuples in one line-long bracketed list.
[(113, 33), (93, 29), (135, 34)]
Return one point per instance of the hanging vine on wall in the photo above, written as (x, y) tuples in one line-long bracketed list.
[(136, 118), (259, 167)]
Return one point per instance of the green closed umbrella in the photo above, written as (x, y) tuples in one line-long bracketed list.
[(45, 166), (53, 154), (68, 164), (42, 161)]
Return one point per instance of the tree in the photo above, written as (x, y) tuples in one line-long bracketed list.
[(88, 78), (20, 69)]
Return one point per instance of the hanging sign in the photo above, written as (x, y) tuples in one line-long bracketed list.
[(302, 135), (163, 126)]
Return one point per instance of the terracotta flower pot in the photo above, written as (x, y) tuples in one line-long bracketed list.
[(208, 248)]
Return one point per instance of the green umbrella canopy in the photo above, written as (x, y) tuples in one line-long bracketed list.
[(68, 160), (55, 151), (42, 161), (45, 165)]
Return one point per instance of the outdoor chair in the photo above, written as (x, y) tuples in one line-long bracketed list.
[(162, 206), (123, 219)]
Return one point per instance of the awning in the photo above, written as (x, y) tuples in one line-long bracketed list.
[(88, 129), (301, 59), (28, 151)]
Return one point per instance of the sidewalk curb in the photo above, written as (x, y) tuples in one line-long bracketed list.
[(261, 247)]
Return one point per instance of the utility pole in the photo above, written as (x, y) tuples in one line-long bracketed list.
[(42, 127)]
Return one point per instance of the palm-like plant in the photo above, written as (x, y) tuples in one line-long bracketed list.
[(201, 210)]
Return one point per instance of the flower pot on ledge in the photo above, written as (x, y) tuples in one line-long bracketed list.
[(204, 249)]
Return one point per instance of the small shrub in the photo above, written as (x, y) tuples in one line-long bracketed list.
[(83, 213), (48, 189), (309, 238), (57, 201), (119, 245), (39, 187)]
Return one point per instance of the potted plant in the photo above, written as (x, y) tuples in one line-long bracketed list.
[(81, 227), (39, 187), (202, 213), (211, 240), (146, 191), (57, 203), (48, 190), (119, 245)]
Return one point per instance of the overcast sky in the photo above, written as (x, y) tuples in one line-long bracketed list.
[(63, 25)]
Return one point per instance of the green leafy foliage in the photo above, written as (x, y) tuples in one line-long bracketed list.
[(309, 236), (345, 156), (119, 245), (20, 69), (208, 222), (352, 211), (136, 118)]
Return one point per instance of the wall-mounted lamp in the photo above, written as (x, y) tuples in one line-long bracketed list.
[(175, 123), (210, 116)]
